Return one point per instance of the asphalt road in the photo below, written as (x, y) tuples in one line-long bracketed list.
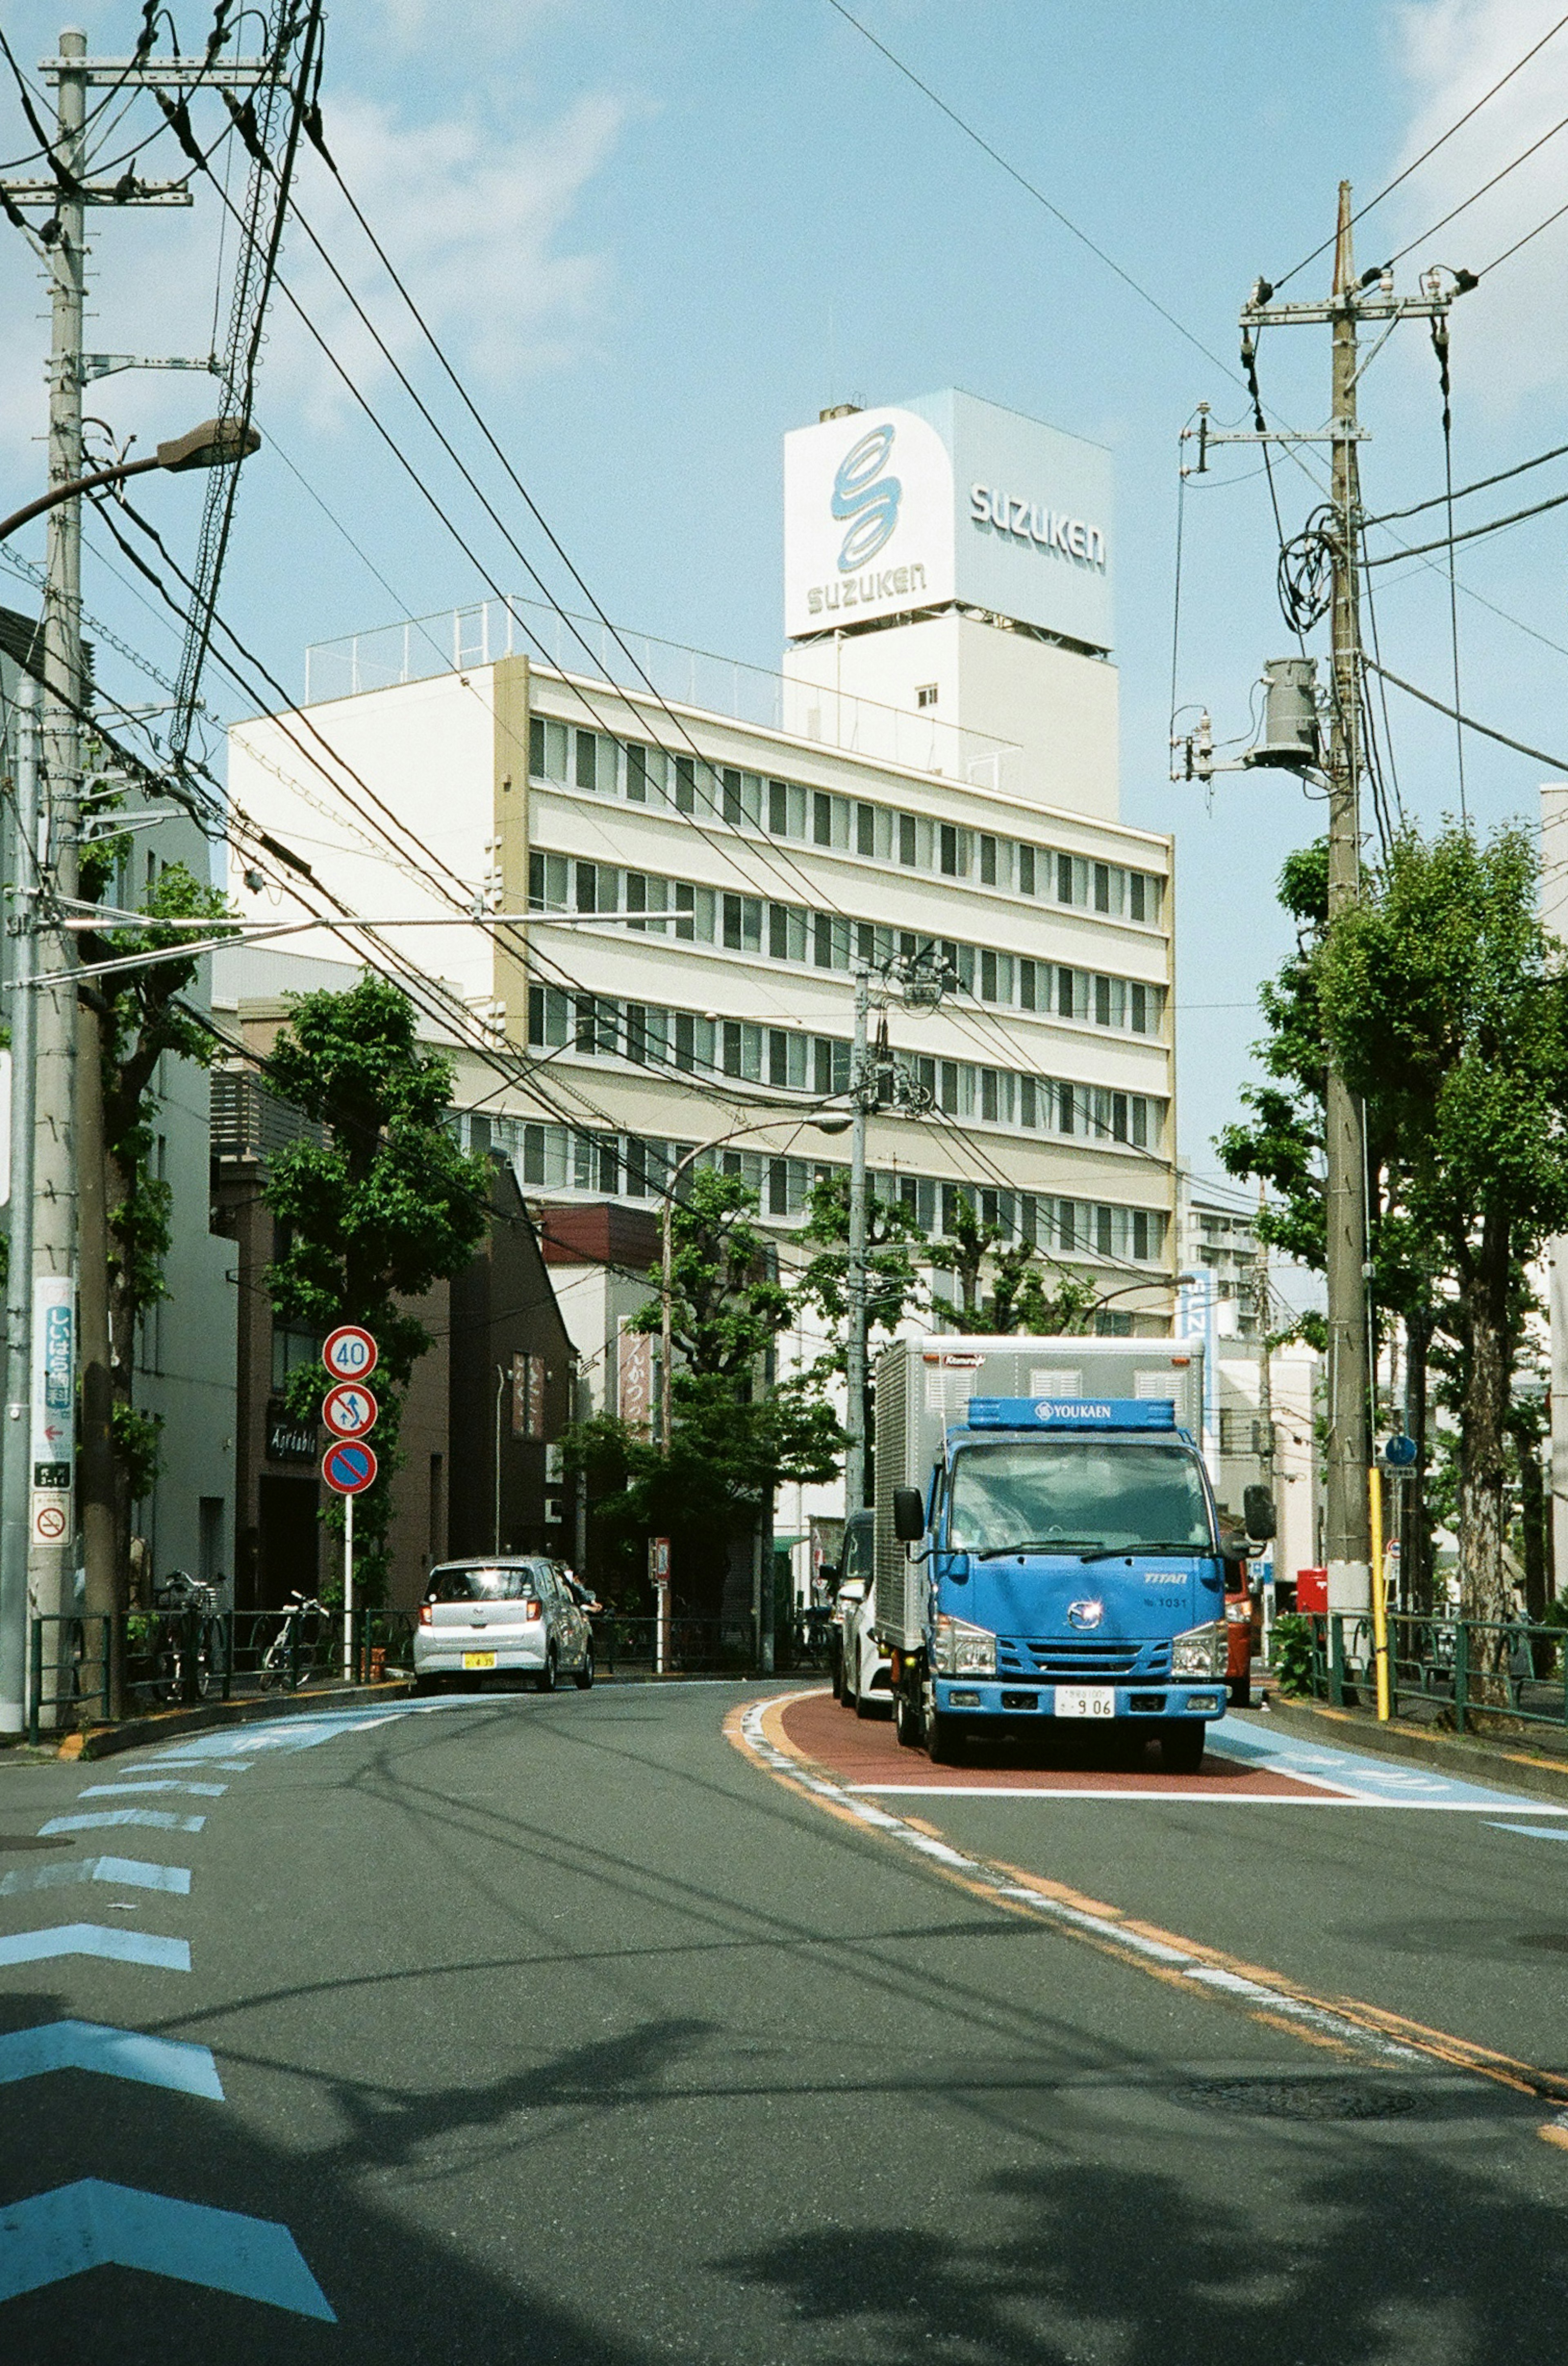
[(560, 2029)]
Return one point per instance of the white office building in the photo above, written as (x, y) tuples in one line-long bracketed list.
[(702, 863)]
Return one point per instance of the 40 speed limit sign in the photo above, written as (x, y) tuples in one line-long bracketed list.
[(349, 1353)]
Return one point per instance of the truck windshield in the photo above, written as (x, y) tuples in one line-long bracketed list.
[(1083, 1495)]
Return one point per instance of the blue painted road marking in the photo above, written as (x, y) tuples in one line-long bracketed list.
[(125, 1872), (112, 2052), (165, 1759), (96, 1939), (1534, 1832), (158, 1820), (1371, 1781), (139, 1790), (93, 2224)]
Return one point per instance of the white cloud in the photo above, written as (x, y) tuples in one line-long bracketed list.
[(1450, 52)]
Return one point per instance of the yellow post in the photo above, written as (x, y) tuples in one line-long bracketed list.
[(1380, 1598)]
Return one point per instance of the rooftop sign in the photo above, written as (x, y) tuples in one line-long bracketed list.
[(941, 499)]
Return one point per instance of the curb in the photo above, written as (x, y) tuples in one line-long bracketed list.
[(1481, 1762), (109, 1740)]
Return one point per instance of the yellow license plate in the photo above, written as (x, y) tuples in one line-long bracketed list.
[(479, 1658)]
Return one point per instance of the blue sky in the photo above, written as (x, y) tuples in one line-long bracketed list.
[(654, 239)]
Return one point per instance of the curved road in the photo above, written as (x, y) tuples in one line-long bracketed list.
[(580, 2029)]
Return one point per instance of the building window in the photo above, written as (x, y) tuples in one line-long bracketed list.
[(1026, 870), (987, 862), (636, 775), (1102, 888), (948, 859), (1026, 985), (925, 694), (866, 830), (686, 784), (908, 845)]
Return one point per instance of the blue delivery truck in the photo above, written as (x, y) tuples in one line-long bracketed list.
[(1046, 1544)]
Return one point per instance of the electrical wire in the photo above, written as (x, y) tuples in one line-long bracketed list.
[(1468, 533), (1510, 251), (1461, 493), (1465, 203), (1389, 186)]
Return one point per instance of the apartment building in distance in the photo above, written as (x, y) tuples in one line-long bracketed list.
[(679, 862)]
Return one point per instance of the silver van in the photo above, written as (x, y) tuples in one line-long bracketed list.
[(510, 1614)]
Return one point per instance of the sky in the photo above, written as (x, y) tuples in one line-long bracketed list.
[(652, 240)]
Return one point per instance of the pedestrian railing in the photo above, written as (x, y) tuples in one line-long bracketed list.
[(692, 1646), (1458, 1672), (179, 1659)]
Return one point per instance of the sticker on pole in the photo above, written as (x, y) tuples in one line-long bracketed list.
[(50, 1521), (348, 1469), (350, 1353), (349, 1411)]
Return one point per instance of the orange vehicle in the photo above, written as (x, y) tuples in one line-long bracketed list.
[(1240, 1638)]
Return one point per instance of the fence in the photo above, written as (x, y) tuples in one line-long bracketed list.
[(694, 1646), (186, 1657), (1455, 1672)]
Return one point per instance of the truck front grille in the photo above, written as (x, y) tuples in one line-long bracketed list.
[(1078, 1655)]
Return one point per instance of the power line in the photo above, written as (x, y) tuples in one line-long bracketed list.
[(1465, 203), (1461, 492), (1443, 138), (1521, 747)]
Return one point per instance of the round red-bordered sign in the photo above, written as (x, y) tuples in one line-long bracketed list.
[(349, 1353), (350, 1410), (349, 1468)]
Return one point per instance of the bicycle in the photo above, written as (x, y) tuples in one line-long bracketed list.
[(302, 1645), (188, 1651)]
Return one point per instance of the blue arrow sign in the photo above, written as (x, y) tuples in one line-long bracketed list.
[(112, 2052), (51, 2237), (97, 1939)]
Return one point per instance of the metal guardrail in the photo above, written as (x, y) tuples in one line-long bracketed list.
[(172, 1659), (694, 1647), (1445, 1669)]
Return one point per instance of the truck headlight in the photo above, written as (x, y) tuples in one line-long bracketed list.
[(960, 1650), (1200, 1651)]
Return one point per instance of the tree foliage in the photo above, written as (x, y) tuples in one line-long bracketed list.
[(376, 1213)]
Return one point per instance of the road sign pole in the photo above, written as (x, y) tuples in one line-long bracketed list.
[(348, 1589)]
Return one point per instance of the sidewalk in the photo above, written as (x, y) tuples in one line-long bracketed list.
[(1512, 1764)]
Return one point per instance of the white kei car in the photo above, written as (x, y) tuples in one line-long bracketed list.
[(508, 1615)]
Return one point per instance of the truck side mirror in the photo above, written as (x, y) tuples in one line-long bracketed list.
[(1257, 1511), (909, 1514)]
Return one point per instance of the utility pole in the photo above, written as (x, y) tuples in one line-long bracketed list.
[(1348, 1540), (15, 1444), (862, 1093), (70, 1215)]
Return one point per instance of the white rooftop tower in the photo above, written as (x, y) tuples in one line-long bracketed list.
[(947, 557)]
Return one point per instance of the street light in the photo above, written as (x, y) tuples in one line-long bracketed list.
[(829, 1124), (216, 443)]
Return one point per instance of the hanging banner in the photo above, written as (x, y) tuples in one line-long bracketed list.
[(528, 1397), (636, 1378), (53, 1409)]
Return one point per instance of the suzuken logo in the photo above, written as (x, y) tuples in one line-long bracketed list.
[(868, 499)]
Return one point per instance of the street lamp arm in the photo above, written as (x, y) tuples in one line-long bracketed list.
[(216, 443)]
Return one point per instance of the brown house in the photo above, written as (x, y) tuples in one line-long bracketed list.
[(484, 1410)]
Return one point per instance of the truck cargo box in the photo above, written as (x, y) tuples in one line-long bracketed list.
[(924, 1387)]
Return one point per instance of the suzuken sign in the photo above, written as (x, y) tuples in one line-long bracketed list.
[(940, 500)]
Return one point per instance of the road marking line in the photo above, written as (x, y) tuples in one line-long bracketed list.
[(100, 1939), (112, 2053), (1186, 1799), (141, 1790), (1344, 2023), (1533, 1831), (194, 1758), (51, 2237), (128, 1872), (158, 1820)]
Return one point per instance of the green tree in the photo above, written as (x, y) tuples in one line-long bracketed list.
[(373, 1216), (143, 1019), (1029, 1292), (1443, 996), (734, 1437)]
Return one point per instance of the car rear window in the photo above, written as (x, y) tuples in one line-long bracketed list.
[(479, 1585)]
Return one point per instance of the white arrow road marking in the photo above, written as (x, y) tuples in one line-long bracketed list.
[(158, 1820), (96, 1939), (113, 2053), (93, 2224), (127, 1872), (139, 1790)]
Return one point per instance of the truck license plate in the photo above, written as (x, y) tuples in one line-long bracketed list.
[(479, 1658), (1086, 1700)]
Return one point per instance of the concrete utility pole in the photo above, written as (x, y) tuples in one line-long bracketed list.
[(862, 1096), (1346, 1540), (70, 1214), (15, 1446)]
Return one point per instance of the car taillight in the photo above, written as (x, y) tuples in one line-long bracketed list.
[(427, 1613), (532, 1610)]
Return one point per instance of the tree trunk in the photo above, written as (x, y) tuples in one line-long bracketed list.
[(1483, 1592)]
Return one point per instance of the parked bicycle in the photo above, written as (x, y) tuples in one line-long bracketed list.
[(188, 1654), (301, 1648)]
